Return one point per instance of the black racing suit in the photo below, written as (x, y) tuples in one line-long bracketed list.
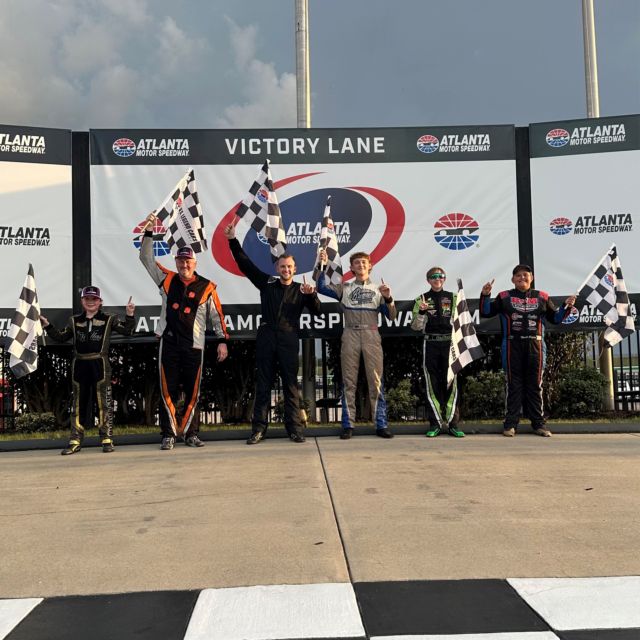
[(277, 341), (91, 371), (187, 309), (522, 316), (435, 323)]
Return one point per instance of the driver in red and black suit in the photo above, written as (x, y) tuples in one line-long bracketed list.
[(523, 311)]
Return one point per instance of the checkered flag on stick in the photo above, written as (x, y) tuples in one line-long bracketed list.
[(465, 347), (25, 329), (181, 215), (262, 212), (329, 242), (605, 290)]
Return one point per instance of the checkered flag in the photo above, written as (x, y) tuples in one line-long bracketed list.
[(181, 214), (605, 290), (465, 347), (329, 242), (262, 212), (25, 329)]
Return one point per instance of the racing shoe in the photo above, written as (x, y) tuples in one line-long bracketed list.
[(455, 432), (255, 437), (107, 445), (433, 431), (194, 441), (346, 434), (542, 431), (297, 437), (72, 447), (509, 433), (168, 443), (384, 433)]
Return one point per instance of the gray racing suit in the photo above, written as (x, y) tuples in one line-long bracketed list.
[(360, 302)]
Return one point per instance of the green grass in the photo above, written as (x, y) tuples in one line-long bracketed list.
[(137, 429)]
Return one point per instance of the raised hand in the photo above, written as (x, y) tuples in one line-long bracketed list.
[(131, 307), (384, 289), (229, 231), (306, 288), (486, 290)]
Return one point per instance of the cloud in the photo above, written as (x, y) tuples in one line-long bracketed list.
[(83, 64), (269, 98)]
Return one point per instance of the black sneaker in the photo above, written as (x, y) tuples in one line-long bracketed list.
[(167, 443), (297, 437), (346, 434), (194, 441), (72, 447), (255, 437), (107, 445), (384, 433)]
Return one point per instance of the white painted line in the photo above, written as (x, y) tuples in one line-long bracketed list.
[(13, 611), (583, 603), (278, 611), (511, 635)]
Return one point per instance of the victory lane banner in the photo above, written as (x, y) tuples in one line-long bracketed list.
[(35, 218), (411, 197), (585, 195)]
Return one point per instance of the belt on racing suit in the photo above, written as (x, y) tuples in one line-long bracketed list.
[(539, 338), (88, 356), (373, 327), (440, 337)]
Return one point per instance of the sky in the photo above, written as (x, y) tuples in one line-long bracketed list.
[(81, 64)]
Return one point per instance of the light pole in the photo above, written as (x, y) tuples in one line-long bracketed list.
[(303, 94)]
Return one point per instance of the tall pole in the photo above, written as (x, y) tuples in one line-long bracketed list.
[(303, 81), (590, 59), (303, 93), (593, 111)]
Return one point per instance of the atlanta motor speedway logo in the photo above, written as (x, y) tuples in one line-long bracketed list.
[(354, 210), (592, 224), (428, 144), (151, 147), (456, 231), (160, 246), (560, 226), (557, 138), (124, 147)]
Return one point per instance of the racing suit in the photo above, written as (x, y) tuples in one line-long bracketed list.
[(435, 323), (277, 341), (522, 316), (360, 302), (187, 309), (91, 371)]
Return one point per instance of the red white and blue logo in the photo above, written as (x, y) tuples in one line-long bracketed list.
[(355, 210), (608, 280), (561, 226), (263, 195), (428, 143), (557, 138), (456, 231), (572, 317), (160, 247), (124, 147)]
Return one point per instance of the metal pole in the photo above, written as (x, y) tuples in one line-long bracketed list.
[(303, 84), (593, 111), (303, 92), (590, 60)]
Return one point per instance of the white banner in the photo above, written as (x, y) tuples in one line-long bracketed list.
[(35, 217), (585, 195), (458, 214)]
